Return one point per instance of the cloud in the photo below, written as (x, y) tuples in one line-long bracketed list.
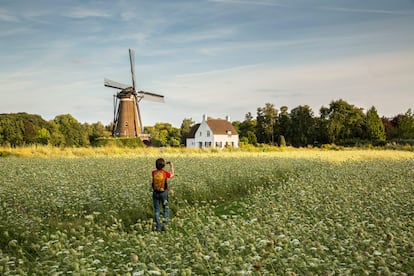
[(372, 11), (15, 31), (137, 38), (7, 16), (382, 80), (203, 35), (215, 56), (260, 3), (241, 45), (81, 13)]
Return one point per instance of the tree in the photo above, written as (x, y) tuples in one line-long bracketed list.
[(284, 126), (236, 125), (186, 129), (72, 131), (251, 137), (406, 126), (244, 140), (247, 129), (30, 125), (42, 136), (266, 123), (174, 137), (302, 126), (12, 131), (388, 127), (20, 128), (164, 134), (346, 122), (321, 126), (95, 131), (282, 141), (375, 127), (57, 139)]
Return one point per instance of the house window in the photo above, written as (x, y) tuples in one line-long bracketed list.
[(228, 132), (200, 133), (208, 133)]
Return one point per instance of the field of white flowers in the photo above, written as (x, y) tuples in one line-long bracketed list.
[(299, 212)]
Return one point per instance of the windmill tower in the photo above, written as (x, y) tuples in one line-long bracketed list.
[(127, 116)]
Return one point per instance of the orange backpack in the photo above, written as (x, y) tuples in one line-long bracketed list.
[(159, 181)]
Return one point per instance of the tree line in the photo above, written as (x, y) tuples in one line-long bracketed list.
[(340, 123), (20, 129)]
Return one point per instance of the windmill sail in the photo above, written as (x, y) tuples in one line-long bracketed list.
[(151, 97), (139, 117), (114, 84), (132, 62), (127, 115)]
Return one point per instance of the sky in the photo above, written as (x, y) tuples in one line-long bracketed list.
[(215, 57)]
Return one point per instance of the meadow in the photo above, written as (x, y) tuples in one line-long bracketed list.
[(289, 212)]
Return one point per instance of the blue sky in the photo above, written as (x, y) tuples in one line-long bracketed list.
[(214, 57)]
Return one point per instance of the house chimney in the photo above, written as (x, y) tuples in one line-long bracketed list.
[(204, 117), (228, 118)]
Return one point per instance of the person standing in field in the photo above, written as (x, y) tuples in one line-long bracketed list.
[(160, 192)]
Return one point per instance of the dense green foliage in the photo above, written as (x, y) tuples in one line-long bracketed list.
[(375, 127), (341, 123), (22, 129), (233, 213), (164, 134)]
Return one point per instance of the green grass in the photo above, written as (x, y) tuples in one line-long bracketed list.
[(293, 212)]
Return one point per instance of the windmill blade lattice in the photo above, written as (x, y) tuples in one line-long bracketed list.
[(132, 63), (114, 84)]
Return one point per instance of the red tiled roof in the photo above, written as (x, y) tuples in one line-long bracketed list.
[(220, 127), (217, 126)]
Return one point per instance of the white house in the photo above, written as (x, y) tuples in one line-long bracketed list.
[(217, 133)]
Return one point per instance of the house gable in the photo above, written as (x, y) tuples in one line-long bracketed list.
[(193, 131), (213, 133)]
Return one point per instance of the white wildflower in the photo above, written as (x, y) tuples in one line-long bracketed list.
[(154, 272), (295, 242), (377, 253)]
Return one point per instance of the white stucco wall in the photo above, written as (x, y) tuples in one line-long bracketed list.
[(190, 143), (222, 141), (204, 138)]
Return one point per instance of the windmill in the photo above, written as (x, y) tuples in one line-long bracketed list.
[(127, 116)]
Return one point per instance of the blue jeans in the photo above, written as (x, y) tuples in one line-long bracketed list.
[(160, 199)]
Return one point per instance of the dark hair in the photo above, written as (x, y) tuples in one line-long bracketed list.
[(160, 163)]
